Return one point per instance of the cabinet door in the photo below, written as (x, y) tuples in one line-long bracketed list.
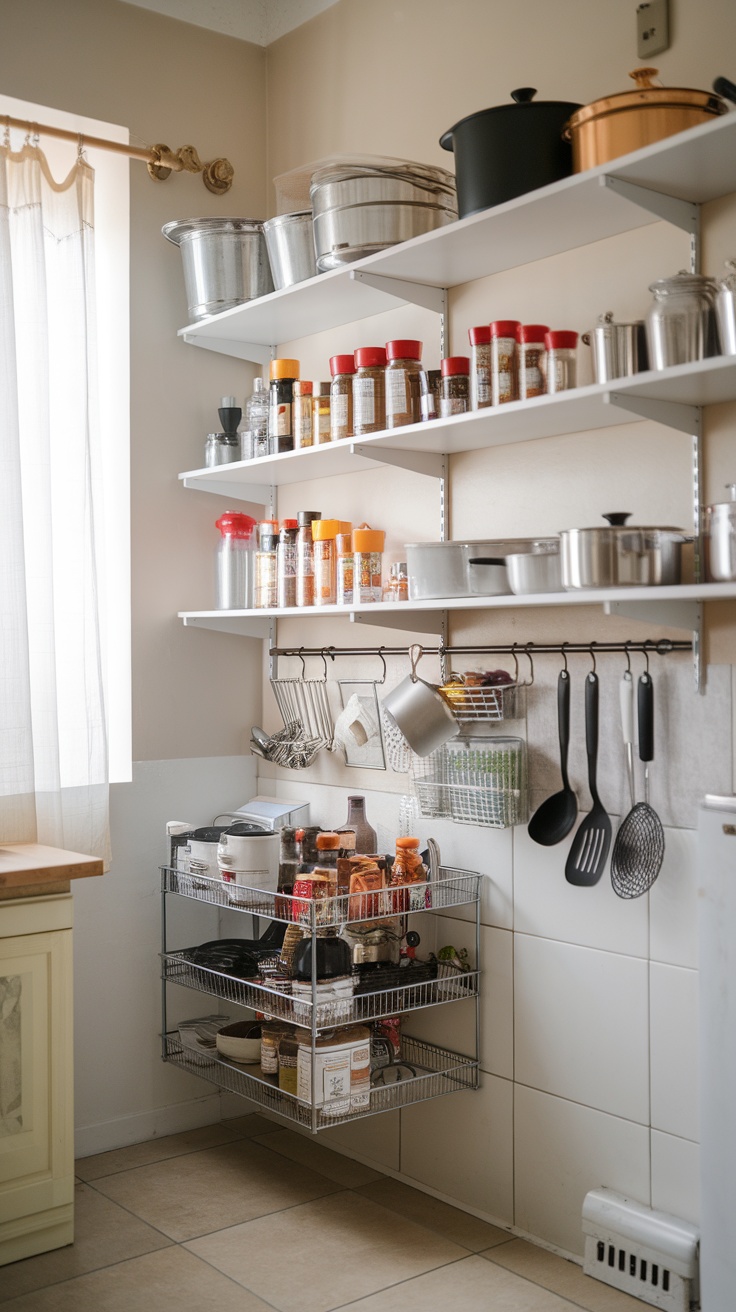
[(36, 1076)]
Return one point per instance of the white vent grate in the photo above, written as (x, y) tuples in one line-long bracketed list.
[(648, 1254)]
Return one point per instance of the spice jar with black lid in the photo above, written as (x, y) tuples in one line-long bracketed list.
[(403, 405), (283, 374), (342, 368), (480, 367), (369, 390), (305, 557), (455, 386)]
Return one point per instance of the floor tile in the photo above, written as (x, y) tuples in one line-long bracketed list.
[(205, 1191), (169, 1281), (560, 1276), (378, 1248), (311, 1153), (155, 1150), (247, 1127), (460, 1227), (466, 1285), (103, 1234)]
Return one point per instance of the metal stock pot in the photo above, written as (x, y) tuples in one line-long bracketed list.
[(225, 262), (621, 555)]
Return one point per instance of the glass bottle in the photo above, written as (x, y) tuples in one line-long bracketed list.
[(408, 869), (283, 374), (286, 564), (256, 418), (480, 367), (561, 360), (427, 398), (344, 547), (328, 846), (342, 368), (367, 564), (266, 591), (397, 588), (303, 430), (324, 532), (234, 561), (455, 386), (288, 859), (369, 390), (365, 834), (305, 557), (321, 413), (307, 845), (531, 359), (402, 382), (504, 361)]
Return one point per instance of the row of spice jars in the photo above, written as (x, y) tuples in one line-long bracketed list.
[(513, 361), (311, 561)]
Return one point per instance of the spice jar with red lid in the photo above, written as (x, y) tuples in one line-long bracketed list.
[(404, 362), (561, 360), (504, 361), (369, 390), (455, 386), (342, 368), (480, 367), (531, 359)]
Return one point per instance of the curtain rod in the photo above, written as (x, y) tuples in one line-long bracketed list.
[(660, 647), (217, 175)]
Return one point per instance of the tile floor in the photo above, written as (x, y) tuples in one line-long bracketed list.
[(247, 1217)]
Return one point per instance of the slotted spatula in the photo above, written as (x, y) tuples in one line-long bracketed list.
[(591, 844)]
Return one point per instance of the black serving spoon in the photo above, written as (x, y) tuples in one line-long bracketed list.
[(553, 820)]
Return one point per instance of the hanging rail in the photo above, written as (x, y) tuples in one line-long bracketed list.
[(660, 647), (217, 175)]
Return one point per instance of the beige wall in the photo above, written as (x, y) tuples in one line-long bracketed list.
[(171, 82)]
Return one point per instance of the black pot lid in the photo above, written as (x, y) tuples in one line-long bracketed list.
[(523, 98)]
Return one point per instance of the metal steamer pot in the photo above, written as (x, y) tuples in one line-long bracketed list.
[(621, 555), (510, 149), (225, 262), (619, 349), (616, 125), (720, 539), (290, 243)]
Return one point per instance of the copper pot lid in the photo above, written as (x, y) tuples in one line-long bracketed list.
[(645, 95)]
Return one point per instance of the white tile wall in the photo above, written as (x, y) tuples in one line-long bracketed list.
[(675, 1176), (674, 1049), (673, 903), (581, 1025), (561, 1150)]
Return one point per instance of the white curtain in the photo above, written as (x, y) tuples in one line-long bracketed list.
[(53, 740)]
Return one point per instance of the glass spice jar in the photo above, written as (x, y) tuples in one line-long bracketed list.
[(320, 413), (427, 404), (305, 557), (504, 361), (481, 394), (561, 360), (403, 405), (344, 548), (303, 425), (286, 564), (342, 368), (455, 386), (324, 553), (266, 589), (367, 564), (397, 588), (283, 374), (531, 359), (369, 390)]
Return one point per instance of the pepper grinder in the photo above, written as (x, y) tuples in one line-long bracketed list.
[(230, 417)]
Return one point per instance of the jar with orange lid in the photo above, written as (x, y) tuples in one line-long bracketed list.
[(328, 847), (303, 426), (404, 363), (282, 374), (367, 564), (408, 869), (324, 554), (342, 368)]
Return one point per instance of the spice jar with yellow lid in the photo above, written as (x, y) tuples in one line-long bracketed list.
[(324, 555), (367, 564)]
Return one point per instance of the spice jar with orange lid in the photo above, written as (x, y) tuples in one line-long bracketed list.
[(324, 555), (368, 546), (408, 869), (303, 424), (344, 548), (282, 374), (328, 847), (342, 368)]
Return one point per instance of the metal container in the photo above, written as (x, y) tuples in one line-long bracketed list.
[(616, 125), (359, 209), (443, 569), (225, 262), (538, 570), (726, 309), (681, 321), (621, 555), (290, 244), (619, 349), (720, 539)]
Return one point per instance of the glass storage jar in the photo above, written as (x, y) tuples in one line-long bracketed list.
[(320, 413), (531, 360), (561, 360), (256, 418), (286, 564), (234, 561), (324, 532), (369, 390), (305, 557), (266, 590), (455, 386), (504, 361), (681, 321), (303, 425), (344, 548), (342, 368), (367, 564), (480, 367), (402, 382)]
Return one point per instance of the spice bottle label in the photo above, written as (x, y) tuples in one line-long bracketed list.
[(339, 409), (398, 397), (364, 401), (532, 383), (452, 405), (282, 420)]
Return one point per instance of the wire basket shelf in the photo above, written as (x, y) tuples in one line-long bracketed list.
[(329, 1012), (452, 888), (471, 705), (474, 781), (439, 1072)]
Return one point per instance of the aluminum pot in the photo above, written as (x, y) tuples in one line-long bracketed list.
[(621, 555), (616, 125), (290, 244), (443, 569), (508, 150), (619, 349), (720, 539), (681, 321), (225, 262), (537, 570), (359, 209), (726, 309)]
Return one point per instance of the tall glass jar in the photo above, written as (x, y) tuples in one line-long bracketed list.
[(342, 368), (345, 569), (369, 390), (561, 360), (320, 413), (234, 561), (305, 557), (531, 359), (283, 374), (480, 367), (324, 532), (303, 426), (357, 820), (504, 361), (455, 386), (368, 546), (681, 321), (266, 590), (403, 406), (256, 418), (286, 564)]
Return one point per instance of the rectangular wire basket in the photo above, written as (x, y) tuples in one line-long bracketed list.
[(474, 781), (471, 705)]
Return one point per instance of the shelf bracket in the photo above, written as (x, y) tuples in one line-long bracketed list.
[(415, 293), (430, 621), (419, 462), (673, 414), (259, 494), (244, 627), (671, 615), (253, 351), (683, 214)]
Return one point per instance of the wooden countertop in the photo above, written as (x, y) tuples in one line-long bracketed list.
[(29, 865)]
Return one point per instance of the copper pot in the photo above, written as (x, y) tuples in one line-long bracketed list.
[(619, 124)]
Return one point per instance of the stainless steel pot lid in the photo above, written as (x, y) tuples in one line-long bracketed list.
[(178, 230), (617, 525), (422, 175)]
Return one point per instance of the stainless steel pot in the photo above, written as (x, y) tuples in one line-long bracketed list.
[(681, 322), (361, 209), (290, 244), (619, 349), (726, 309), (621, 555), (421, 713), (444, 569), (225, 262), (537, 570), (720, 539)]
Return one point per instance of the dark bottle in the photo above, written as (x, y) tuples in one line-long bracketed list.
[(357, 821), (288, 859), (307, 848), (283, 374)]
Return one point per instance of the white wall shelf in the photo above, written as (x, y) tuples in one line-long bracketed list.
[(694, 166)]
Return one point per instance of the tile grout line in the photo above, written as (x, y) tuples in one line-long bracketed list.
[(571, 1302)]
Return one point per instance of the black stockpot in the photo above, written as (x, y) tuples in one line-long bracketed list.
[(508, 150)]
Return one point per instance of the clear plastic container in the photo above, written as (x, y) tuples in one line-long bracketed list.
[(504, 361), (305, 557), (403, 405), (369, 390), (234, 561), (342, 368), (532, 360), (455, 386), (256, 418), (481, 394), (561, 360)]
